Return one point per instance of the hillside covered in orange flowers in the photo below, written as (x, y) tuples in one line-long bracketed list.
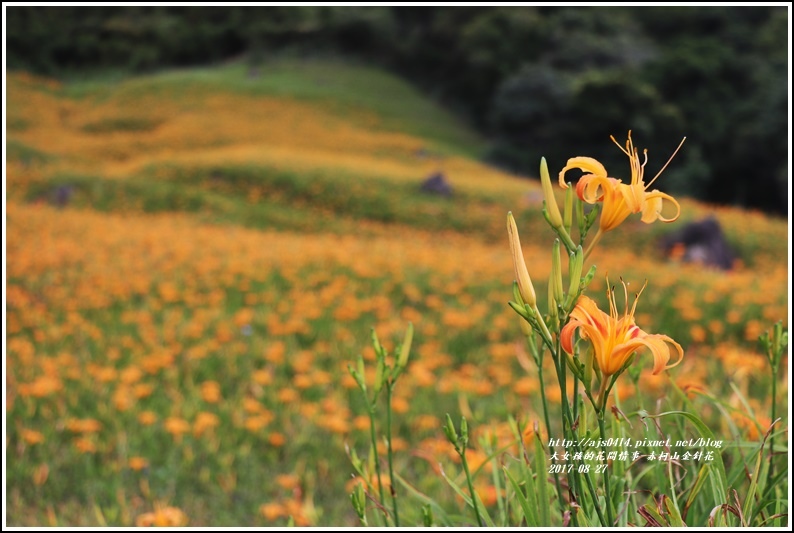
[(194, 258)]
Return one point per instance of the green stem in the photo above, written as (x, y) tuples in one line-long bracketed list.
[(593, 494), (567, 424), (389, 453), (575, 397), (560, 366), (462, 453), (605, 462), (771, 471), (544, 330), (557, 485), (601, 397), (593, 243), (574, 478), (566, 239), (375, 451)]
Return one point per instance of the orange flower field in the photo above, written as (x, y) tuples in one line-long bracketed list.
[(193, 263)]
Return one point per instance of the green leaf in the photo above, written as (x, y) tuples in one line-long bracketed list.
[(542, 484), (439, 513), (719, 483), (530, 511), (703, 474), (673, 513), (584, 520), (489, 521), (652, 516)]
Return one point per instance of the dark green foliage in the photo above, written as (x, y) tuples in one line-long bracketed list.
[(552, 81)]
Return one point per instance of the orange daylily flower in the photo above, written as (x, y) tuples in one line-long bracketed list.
[(619, 199), (614, 338), (162, 517)]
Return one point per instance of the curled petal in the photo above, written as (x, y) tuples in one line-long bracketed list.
[(566, 335), (658, 344), (596, 332), (592, 188), (652, 208), (586, 164)]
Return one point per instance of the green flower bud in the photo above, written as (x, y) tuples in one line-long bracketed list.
[(525, 287), (449, 431), (567, 214), (548, 193), (405, 349)]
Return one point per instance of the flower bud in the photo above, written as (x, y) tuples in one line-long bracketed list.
[(359, 501), (525, 287), (552, 302), (358, 464), (588, 368), (524, 311), (358, 375), (449, 431), (548, 193), (405, 349), (575, 264), (376, 342), (556, 271), (380, 372), (567, 213)]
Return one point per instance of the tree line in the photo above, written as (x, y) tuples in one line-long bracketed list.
[(537, 81)]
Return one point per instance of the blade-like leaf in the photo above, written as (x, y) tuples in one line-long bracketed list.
[(438, 512), (718, 479), (530, 513), (673, 513), (542, 485)]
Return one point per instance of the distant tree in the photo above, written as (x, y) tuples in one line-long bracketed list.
[(552, 81)]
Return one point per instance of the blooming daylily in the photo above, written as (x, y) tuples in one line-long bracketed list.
[(614, 338), (619, 199)]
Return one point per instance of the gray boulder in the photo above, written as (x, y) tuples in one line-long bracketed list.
[(700, 242), (437, 183)]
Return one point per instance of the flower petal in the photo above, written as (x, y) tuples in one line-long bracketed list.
[(592, 188), (586, 164), (620, 354), (658, 344), (588, 313), (652, 208), (566, 335), (614, 209), (634, 196)]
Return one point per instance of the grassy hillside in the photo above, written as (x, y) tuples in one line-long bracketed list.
[(195, 257)]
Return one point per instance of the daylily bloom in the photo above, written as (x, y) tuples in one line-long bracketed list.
[(619, 199), (614, 338)]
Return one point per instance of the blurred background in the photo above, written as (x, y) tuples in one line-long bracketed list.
[(209, 209), (551, 81)]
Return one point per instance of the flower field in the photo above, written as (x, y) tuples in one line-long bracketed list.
[(195, 258)]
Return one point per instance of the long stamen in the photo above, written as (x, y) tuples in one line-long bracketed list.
[(637, 297), (668, 162), (636, 169), (613, 306), (619, 146), (642, 167)]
